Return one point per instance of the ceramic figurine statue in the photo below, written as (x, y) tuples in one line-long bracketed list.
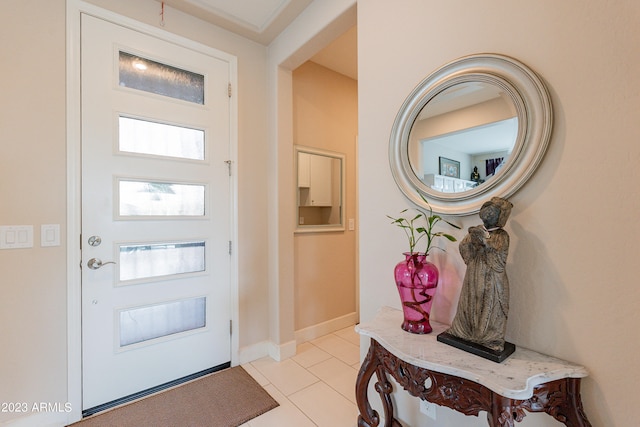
[(484, 300), (475, 175)]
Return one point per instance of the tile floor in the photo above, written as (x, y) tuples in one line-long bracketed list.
[(314, 388)]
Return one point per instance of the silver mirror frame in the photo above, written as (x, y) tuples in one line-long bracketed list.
[(535, 121)]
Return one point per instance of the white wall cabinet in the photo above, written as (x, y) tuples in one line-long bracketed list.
[(314, 180)]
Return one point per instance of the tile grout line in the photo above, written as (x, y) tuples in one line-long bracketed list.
[(329, 385), (287, 397), (326, 383), (317, 379)]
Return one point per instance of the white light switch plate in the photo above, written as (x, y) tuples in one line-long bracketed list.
[(49, 235), (16, 236)]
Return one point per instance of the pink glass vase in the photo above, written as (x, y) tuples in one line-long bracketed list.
[(416, 279)]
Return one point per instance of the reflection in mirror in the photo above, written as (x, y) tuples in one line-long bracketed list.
[(320, 190), (463, 136)]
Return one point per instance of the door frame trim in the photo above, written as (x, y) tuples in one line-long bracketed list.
[(74, 9)]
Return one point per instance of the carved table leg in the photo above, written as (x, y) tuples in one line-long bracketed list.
[(384, 389), (368, 416), (565, 405)]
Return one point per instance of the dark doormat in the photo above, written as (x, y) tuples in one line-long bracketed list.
[(226, 398)]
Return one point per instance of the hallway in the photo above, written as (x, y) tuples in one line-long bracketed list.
[(314, 388)]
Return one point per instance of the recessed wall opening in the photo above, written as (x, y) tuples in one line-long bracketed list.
[(325, 118)]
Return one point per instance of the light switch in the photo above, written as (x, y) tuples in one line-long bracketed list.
[(16, 236), (24, 236), (49, 235)]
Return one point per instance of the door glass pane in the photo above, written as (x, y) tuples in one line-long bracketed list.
[(160, 139), (147, 323), (150, 76), (142, 198), (161, 259)]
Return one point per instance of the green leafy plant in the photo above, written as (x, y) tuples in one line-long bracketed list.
[(416, 232)]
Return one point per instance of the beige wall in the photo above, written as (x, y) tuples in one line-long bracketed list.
[(325, 116), (574, 232), (33, 331)]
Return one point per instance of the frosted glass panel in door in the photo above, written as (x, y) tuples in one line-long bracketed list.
[(142, 198), (147, 323), (150, 76), (161, 259), (160, 139)]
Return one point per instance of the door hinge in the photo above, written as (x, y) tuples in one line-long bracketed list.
[(230, 327), (228, 162), (230, 246), (229, 90)]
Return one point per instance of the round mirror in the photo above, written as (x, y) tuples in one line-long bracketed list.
[(475, 128)]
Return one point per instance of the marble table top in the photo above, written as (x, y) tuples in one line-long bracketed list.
[(514, 378)]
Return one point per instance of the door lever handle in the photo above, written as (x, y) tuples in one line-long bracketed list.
[(96, 263)]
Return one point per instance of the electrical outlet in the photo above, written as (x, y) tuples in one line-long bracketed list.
[(428, 408)]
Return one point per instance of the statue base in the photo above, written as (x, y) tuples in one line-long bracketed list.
[(477, 349)]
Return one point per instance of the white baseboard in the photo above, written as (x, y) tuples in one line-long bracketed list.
[(283, 351), (267, 348), (253, 352), (316, 331)]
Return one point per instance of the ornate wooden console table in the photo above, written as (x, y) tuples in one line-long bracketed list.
[(469, 384)]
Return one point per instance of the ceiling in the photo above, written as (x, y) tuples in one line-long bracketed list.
[(263, 20), (341, 55)]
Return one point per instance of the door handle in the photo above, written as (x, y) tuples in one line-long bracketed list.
[(96, 263)]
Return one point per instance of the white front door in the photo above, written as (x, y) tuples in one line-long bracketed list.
[(155, 211)]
